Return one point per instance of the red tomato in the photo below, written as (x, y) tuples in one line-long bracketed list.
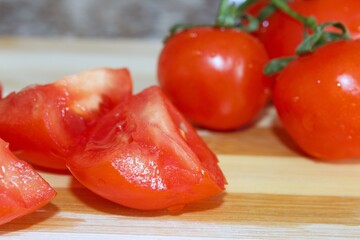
[(318, 98), (281, 34), (214, 76), (43, 123), (144, 155), (22, 190)]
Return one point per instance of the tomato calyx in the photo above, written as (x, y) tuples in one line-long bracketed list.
[(232, 15), (319, 36), (229, 15)]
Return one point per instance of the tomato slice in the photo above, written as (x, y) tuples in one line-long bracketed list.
[(22, 190), (145, 155), (43, 123)]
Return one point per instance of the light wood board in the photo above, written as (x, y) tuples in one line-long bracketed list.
[(273, 192)]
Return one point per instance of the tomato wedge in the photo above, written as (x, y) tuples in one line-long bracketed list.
[(145, 155), (22, 190), (43, 123)]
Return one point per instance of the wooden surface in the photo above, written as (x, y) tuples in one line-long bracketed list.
[(274, 191)]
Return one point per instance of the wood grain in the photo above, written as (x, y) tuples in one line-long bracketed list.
[(274, 191)]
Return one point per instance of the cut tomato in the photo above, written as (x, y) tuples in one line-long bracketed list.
[(22, 190), (43, 123), (145, 155)]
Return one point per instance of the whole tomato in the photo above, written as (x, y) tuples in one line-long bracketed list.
[(214, 76), (281, 34), (317, 98)]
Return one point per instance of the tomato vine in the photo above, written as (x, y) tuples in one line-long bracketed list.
[(229, 15), (319, 35)]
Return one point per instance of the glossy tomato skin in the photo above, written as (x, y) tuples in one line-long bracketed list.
[(317, 98), (214, 76), (44, 123), (22, 190), (281, 34), (144, 155)]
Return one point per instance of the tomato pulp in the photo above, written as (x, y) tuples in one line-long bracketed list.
[(145, 155), (22, 190), (44, 123)]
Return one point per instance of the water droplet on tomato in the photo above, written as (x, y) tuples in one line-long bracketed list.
[(214, 55), (296, 99), (308, 123), (265, 23), (354, 28), (267, 91), (198, 53), (193, 35)]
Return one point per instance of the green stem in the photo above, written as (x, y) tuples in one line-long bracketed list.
[(222, 17), (317, 38), (245, 5), (309, 22), (229, 13)]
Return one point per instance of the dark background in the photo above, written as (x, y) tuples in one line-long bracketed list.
[(100, 18)]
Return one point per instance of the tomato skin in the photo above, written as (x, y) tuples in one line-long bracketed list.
[(214, 76), (22, 190), (44, 123), (317, 98), (144, 155), (281, 34)]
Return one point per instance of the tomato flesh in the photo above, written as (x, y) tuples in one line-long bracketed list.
[(145, 155), (317, 98), (43, 123), (214, 76), (22, 190)]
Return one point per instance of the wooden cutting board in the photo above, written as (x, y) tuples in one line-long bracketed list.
[(273, 192)]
